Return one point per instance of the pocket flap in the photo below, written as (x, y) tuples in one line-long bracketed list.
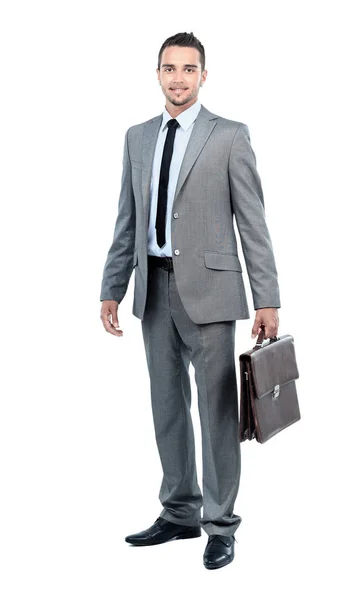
[(216, 260)]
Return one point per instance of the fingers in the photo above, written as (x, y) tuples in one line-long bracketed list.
[(107, 324), (271, 327), (109, 318), (256, 328), (270, 332), (269, 318), (255, 331)]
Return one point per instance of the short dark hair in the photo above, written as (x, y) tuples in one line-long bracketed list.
[(183, 39)]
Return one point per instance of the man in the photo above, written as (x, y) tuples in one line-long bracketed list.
[(186, 173)]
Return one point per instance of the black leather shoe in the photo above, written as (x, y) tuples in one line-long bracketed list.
[(219, 551), (162, 531)]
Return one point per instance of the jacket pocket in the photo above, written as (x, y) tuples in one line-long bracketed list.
[(227, 262)]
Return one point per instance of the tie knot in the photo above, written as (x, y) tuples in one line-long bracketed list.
[(172, 123)]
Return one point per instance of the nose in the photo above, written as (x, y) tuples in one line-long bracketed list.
[(178, 81)]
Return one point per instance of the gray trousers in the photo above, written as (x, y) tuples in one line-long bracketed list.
[(171, 341)]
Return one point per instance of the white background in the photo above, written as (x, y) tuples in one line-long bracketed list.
[(79, 464)]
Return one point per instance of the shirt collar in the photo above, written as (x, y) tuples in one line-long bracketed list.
[(185, 118)]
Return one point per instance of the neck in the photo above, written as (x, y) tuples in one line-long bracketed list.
[(174, 111)]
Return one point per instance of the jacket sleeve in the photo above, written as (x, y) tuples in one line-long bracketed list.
[(248, 207), (119, 263)]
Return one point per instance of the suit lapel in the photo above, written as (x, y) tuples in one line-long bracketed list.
[(203, 126), (151, 131)]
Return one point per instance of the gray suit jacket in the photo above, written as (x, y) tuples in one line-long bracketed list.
[(218, 179)]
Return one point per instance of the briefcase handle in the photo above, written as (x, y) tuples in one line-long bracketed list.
[(260, 338)]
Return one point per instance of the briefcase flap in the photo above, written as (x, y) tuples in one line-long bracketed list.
[(274, 364)]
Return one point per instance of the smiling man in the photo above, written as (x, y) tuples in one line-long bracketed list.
[(186, 174)]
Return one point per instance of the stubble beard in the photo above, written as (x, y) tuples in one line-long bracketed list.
[(180, 102)]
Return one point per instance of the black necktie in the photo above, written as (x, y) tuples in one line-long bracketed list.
[(172, 125)]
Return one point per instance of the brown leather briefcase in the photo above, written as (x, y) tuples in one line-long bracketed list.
[(268, 396)]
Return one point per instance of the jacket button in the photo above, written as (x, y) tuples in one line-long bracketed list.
[(176, 252), (175, 215)]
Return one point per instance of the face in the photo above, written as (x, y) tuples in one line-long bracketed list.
[(180, 76)]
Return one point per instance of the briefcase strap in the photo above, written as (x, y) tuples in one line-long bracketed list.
[(260, 338)]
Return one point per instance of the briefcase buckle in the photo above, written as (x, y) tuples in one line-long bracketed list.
[(276, 391)]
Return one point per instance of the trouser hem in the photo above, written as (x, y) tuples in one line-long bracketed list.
[(211, 529), (187, 522)]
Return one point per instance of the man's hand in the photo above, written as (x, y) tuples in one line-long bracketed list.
[(268, 317), (109, 317)]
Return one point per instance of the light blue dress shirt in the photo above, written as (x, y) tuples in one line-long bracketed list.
[(186, 121)]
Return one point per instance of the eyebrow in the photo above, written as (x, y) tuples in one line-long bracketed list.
[(167, 65)]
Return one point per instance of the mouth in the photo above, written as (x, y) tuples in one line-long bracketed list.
[(178, 89)]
